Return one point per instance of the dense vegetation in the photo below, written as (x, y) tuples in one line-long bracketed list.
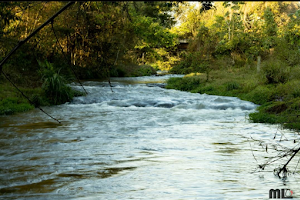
[(89, 40), (250, 50), (244, 49)]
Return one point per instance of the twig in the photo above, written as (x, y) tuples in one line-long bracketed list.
[(27, 97), (284, 167), (109, 80), (252, 151), (117, 57), (33, 33), (108, 71), (20, 43), (296, 165)]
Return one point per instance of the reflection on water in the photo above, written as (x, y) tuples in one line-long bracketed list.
[(140, 141), (34, 125)]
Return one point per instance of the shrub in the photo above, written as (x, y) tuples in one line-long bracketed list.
[(205, 89), (183, 84), (173, 82), (232, 86), (260, 95), (193, 62), (288, 90), (117, 72), (223, 62), (295, 72), (284, 50), (292, 126), (275, 71), (250, 85), (132, 70), (37, 100), (146, 70), (259, 117), (56, 89), (294, 105), (183, 67), (276, 107), (54, 85)]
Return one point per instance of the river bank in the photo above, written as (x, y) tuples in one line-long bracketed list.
[(279, 103), (12, 101), (57, 92)]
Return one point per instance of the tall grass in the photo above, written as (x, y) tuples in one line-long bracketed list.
[(12, 105), (54, 86)]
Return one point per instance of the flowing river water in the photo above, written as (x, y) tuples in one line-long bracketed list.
[(139, 141)]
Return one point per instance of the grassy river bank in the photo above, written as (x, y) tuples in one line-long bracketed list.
[(48, 87), (279, 103)]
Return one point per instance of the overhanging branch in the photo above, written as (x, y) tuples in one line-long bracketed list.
[(34, 32), (24, 41)]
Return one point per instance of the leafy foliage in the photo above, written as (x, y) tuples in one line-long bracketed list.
[(275, 71), (184, 84), (232, 86), (92, 38), (12, 105), (242, 31), (54, 85)]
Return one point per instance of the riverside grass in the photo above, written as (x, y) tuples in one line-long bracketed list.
[(279, 102), (53, 91), (12, 102)]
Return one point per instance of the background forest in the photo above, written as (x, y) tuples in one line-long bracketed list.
[(245, 49)]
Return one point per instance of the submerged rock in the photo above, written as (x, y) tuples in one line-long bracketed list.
[(161, 85)]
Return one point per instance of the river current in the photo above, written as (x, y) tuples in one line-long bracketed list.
[(138, 140)]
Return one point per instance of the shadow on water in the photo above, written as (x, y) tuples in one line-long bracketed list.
[(225, 148), (28, 127), (50, 185), (35, 125), (105, 173), (43, 186)]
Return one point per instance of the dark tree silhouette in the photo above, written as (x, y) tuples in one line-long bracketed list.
[(206, 5)]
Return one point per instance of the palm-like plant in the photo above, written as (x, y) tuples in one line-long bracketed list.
[(54, 84)]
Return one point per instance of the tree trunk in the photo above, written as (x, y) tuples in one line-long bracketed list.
[(228, 30), (258, 63)]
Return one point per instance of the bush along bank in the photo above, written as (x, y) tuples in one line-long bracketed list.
[(12, 102), (276, 90), (47, 84), (52, 90), (132, 70)]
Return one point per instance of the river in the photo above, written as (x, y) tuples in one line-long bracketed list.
[(137, 140)]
